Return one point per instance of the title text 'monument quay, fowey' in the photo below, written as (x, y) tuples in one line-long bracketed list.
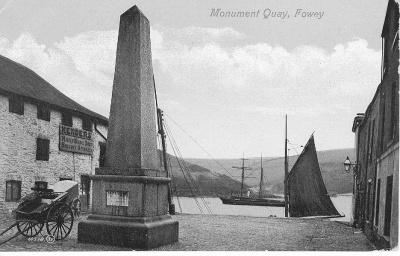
[(130, 194)]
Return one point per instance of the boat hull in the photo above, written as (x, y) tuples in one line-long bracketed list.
[(254, 201)]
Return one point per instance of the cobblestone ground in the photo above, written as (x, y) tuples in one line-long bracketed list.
[(22, 243), (273, 234), (217, 232)]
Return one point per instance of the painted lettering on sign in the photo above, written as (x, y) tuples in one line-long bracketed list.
[(75, 140), (116, 198)]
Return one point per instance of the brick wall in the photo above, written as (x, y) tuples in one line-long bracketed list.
[(18, 135)]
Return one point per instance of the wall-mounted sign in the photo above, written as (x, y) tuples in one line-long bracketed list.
[(116, 198), (75, 140)]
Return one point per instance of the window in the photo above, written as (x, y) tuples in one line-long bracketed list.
[(85, 184), (13, 190), (368, 200), (378, 194), (66, 119), (43, 112), (86, 124), (102, 154), (368, 140), (393, 109), (385, 56), (372, 140), (16, 105), (65, 178), (42, 149), (383, 122)]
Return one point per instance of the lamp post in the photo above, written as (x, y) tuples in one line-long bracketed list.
[(349, 165)]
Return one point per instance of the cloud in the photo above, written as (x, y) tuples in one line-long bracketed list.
[(262, 72), (194, 36), (82, 66), (213, 82), (5, 6), (93, 54), (62, 70), (85, 63)]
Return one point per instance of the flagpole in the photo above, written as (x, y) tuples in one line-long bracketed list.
[(261, 180), (285, 183)]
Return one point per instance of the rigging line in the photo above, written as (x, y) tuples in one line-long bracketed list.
[(170, 168), (188, 172), (188, 184), (176, 154), (273, 159), (172, 177), (184, 176), (196, 186), (173, 184), (159, 148), (179, 202), (193, 182), (295, 144), (295, 149), (201, 147), (191, 178)]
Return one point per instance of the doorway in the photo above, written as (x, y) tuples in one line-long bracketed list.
[(388, 205), (85, 192)]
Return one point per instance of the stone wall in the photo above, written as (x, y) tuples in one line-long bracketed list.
[(388, 165), (367, 155), (378, 143), (18, 150)]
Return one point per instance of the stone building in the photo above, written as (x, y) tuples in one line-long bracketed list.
[(377, 146), (44, 135)]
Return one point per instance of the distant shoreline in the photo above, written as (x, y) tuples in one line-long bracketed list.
[(276, 195)]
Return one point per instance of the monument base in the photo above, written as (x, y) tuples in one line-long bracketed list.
[(136, 233)]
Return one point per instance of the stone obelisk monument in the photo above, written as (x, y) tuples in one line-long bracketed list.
[(130, 194)]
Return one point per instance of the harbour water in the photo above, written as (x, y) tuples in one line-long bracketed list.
[(189, 205)]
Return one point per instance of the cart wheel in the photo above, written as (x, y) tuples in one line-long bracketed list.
[(76, 207), (29, 228), (59, 221)]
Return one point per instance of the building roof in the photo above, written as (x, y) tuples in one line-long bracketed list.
[(357, 121), (392, 9), (18, 79)]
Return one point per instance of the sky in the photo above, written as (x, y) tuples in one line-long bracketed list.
[(224, 83)]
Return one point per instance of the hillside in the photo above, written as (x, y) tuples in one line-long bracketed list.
[(331, 163), (208, 183)]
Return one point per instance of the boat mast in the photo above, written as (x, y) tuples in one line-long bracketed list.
[(261, 180), (285, 184), (160, 124), (243, 168)]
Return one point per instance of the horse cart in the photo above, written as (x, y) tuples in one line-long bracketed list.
[(51, 208)]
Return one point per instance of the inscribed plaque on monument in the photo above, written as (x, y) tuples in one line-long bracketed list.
[(117, 198), (75, 140)]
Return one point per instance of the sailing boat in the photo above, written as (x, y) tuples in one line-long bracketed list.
[(306, 189), (247, 200)]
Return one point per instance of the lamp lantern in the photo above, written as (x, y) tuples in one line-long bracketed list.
[(347, 164)]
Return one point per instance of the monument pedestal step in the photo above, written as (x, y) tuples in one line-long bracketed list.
[(131, 172), (136, 233)]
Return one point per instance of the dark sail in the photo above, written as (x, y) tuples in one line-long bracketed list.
[(307, 191)]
